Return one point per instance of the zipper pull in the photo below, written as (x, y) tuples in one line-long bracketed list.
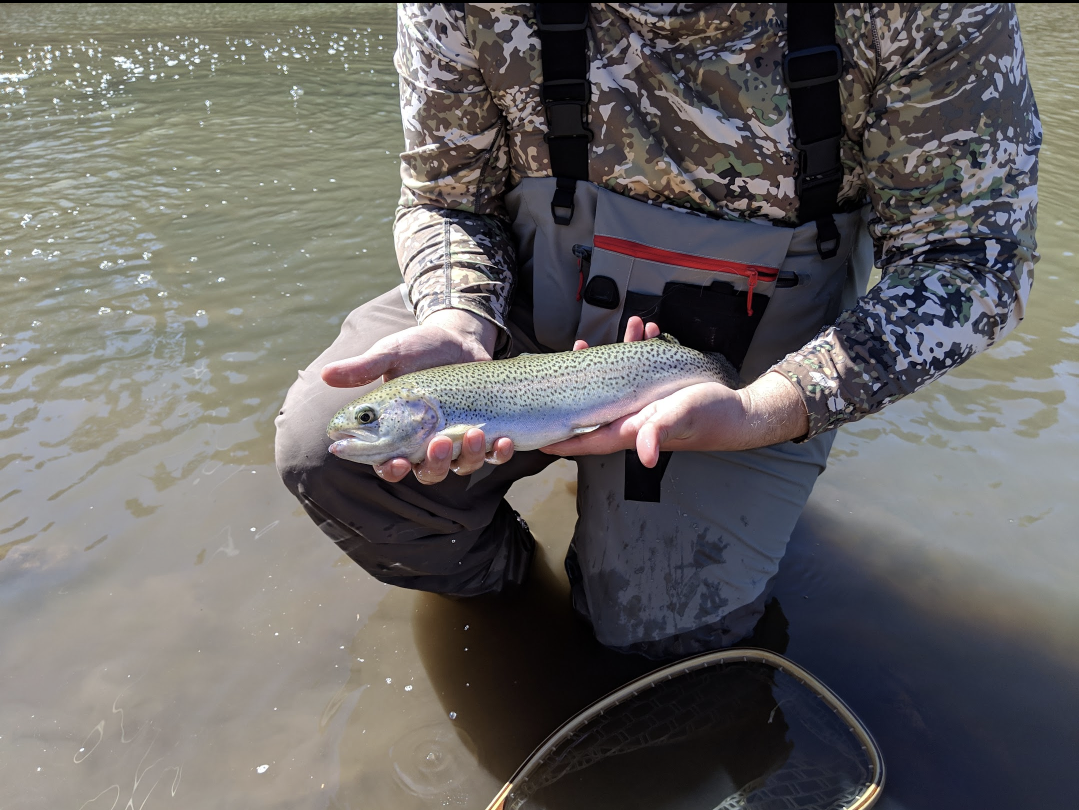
[(752, 286), (584, 257)]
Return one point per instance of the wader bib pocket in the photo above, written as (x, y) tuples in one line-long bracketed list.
[(705, 281)]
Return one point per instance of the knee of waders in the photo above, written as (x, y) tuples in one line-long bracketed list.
[(494, 559), (323, 484), (299, 448)]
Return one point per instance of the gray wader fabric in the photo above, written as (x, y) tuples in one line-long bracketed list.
[(689, 573)]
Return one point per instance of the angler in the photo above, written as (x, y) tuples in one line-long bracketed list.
[(586, 173)]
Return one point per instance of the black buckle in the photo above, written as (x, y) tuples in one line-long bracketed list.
[(823, 74), (566, 105), (565, 119), (818, 162)]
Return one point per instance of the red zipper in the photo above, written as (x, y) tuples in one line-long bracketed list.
[(752, 273)]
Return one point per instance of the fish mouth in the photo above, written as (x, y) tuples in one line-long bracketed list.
[(352, 448), (346, 435)]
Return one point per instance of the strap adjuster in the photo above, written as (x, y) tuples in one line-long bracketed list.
[(827, 237), (562, 201), (818, 162), (578, 91), (583, 24), (812, 66)]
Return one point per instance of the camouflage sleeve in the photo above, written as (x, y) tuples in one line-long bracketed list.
[(451, 233), (950, 158)]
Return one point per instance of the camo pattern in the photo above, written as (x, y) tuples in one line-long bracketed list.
[(689, 109), (455, 259)]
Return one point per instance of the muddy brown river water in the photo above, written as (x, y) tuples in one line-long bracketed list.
[(191, 200)]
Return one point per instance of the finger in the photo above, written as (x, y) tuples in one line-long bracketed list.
[(651, 330), (501, 452), (579, 344), (436, 466), (393, 470), (649, 441), (472, 455), (634, 330)]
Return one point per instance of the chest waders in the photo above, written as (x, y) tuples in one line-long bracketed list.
[(688, 548)]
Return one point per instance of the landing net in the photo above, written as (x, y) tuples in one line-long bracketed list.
[(731, 730)]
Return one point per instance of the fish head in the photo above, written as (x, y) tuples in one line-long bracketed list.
[(385, 424)]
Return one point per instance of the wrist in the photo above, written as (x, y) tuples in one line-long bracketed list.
[(466, 324), (774, 409)]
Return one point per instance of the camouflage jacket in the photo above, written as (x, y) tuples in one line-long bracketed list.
[(690, 109)]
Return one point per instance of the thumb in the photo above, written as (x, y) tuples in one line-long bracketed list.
[(353, 371), (383, 357)]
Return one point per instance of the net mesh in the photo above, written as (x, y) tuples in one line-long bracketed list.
[(738, 735)]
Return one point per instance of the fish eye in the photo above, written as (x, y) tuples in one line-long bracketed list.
[(365, 416)]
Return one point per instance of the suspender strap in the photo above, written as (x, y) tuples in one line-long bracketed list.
[(812, 67), (565, 92)]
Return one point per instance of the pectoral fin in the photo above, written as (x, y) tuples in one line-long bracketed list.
[(577, 431), (456, 434)]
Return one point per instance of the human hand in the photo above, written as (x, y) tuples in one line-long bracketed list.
[(704, 417), (445, 337)]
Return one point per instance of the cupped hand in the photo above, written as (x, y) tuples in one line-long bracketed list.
[(703, 417), (689, 419), (444, 338)]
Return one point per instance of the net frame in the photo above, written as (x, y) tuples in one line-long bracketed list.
[(868, 797)]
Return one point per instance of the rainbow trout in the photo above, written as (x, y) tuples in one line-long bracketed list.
[(533, 399)]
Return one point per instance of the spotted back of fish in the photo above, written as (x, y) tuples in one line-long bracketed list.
[(537, 383)]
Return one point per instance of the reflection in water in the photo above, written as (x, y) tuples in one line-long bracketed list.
[(969, 692), (477, 684), (522, 667), (193, 197)]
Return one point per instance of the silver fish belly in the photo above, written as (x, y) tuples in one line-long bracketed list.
[(533, 399)]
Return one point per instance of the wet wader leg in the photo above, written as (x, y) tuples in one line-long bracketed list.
[(693, 572), (457, 537)]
